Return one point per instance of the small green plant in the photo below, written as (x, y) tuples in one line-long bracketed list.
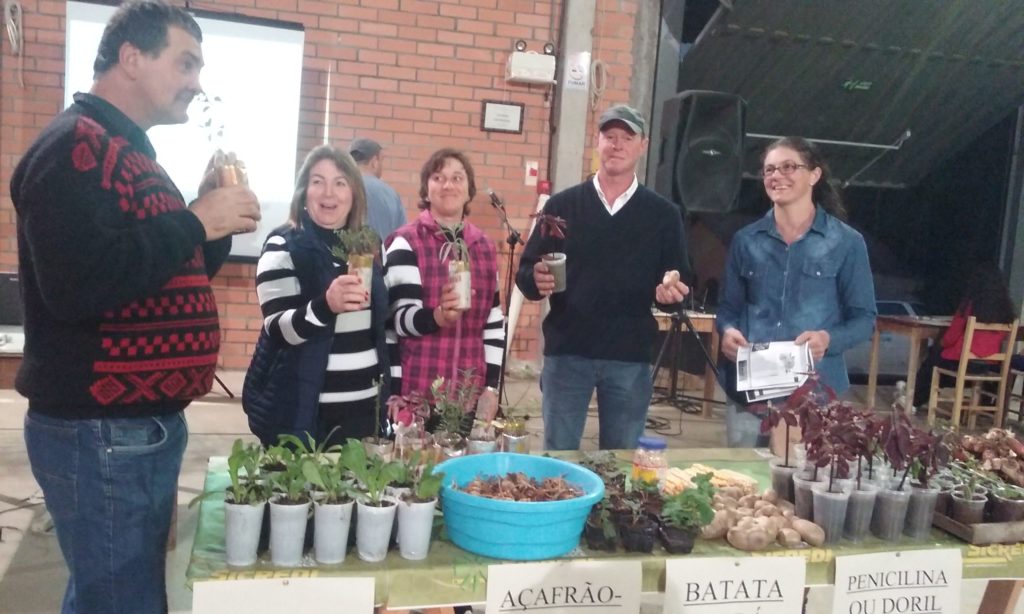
[(325, 470), (426, 482), (601, 516), (454, 247), (290, 482), (243, 471), (690, 508), (360, 241), (450, 400), (373, 473)]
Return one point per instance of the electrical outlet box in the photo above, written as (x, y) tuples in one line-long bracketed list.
[(530, 67)]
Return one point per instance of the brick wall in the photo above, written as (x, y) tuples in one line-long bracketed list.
[(410, 73)]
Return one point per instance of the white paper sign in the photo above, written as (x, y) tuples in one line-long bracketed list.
[(273, 596), (576, 75), (920, 581), (735, 586), (597, 587)]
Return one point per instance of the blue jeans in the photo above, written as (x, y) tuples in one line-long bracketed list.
[(110, 486), (623, 396), (742, 428)]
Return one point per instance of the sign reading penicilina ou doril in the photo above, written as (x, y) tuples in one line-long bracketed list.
[(918, 581), (579, 587)]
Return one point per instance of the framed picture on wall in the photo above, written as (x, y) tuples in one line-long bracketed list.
[(499, 116)]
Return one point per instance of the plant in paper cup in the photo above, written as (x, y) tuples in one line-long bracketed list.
[(333, 501), (456, 252), (376, 444), (928, 453), (782, 472), (375, 513), (416, 509), (244, 502), (289, 509), (450, 402), (552, 228), (358, 247)]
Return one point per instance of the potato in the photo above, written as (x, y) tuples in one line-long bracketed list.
[(670, 277), (743, 512), (750, 540), (748, 501), (770, 496), (785, 506), (789, 538), (718, 526), (732, 492), (810, 532)]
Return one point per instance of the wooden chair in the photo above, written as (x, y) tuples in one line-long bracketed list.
[(970, 397), (1014, 399)]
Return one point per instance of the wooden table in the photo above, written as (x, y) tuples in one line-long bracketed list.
[(918, 329), (703, 323)]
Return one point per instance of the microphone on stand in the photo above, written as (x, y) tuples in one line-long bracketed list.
[(496, 201)]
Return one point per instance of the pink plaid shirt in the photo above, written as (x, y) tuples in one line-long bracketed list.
[(430, 353)]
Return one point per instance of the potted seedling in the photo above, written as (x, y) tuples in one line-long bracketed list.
[(928, 454), (970, 497), (782, 470), (863, 492), (416, 511), (599, 530), (1007, 503), (456, 252), (636, 512), (837, 448), (889, 518), (332, 503), (289, 507), (244, 502), (374, 512), (552, 229), (358, 247), (449, 401), (511, 433), (684, 513)]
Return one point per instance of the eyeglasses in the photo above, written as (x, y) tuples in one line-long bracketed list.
[(786, 168)]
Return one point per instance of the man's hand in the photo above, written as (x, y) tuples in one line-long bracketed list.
[(447, 312), (543, 278), (227, 211), (818, 340), (487, 405), (732, 341), (671, 290), (346, 294)]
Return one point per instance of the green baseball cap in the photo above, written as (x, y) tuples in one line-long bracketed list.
[(626, 114)]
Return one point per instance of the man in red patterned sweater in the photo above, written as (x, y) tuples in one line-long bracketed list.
[(121, 328)]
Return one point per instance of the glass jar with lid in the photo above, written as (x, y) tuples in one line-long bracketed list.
[(649, 461)]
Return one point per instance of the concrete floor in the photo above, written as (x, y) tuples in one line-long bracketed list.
[(32, 573)]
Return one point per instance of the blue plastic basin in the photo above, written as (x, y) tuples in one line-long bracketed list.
[(516, 530)]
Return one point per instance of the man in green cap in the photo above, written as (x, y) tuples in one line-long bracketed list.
[(625, 250)]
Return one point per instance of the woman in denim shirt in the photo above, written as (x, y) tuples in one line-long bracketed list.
[(798, 274)]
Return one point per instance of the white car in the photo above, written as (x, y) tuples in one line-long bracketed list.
[(893, 350)]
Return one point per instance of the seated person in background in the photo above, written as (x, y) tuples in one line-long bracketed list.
[(987, 298), (320, 361)]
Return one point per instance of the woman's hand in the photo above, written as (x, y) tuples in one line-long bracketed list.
[(732, 341), (818, 341), (543, 278), (447, 312), (346, 294), (487, 405)]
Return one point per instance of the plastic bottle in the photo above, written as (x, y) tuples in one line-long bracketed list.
[(649, 462)]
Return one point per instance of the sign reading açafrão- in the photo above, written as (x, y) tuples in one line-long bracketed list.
[(899, 582), (591, 587), (729, 585)]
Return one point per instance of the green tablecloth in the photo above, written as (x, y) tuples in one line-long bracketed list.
[(452, 575)]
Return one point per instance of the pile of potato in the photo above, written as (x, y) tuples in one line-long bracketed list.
[(754, 522)]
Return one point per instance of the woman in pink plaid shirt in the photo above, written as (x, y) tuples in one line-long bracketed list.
[(436, 338)]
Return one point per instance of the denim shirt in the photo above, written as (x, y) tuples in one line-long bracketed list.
[(774, 292)]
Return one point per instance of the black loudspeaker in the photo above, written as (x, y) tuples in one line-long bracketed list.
[(701, 150)]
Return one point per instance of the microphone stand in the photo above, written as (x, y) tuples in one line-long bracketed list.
[(512, 240), (679, 318)]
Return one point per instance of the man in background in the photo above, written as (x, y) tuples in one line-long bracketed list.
[(121, 327), (624, 249), (385, 209)]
